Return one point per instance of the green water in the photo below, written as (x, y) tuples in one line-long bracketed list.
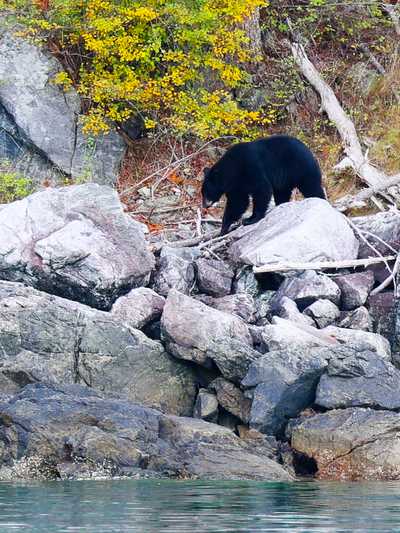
[(196, 507)]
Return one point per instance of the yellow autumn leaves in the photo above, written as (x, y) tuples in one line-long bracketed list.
[(174, 62)]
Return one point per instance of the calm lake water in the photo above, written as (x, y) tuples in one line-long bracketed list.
[(185, 506)]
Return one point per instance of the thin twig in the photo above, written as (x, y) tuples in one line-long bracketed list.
[(379, 240), (176, 165), (371, 246), (389, 279), (187, 242)]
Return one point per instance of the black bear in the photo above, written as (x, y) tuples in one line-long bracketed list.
[(260, 169)]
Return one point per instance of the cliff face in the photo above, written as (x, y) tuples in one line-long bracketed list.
[(40, 133)]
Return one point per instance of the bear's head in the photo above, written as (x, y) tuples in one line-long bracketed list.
[(211, 190)]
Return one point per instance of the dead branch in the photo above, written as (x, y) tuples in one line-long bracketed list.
[(347, 131), (359, 199), (187, 242), (391, 278), (322, 265)]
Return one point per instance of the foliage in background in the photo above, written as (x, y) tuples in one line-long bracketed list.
[(12, 185), (176, 63)]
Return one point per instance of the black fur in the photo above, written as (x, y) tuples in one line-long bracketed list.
[(260, 169)]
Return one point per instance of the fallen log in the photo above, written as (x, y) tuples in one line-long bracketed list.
[(321, 265)]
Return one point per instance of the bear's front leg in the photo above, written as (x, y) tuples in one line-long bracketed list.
[(236, 204), (261, 200)]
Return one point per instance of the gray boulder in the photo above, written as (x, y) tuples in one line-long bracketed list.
[(351, 444), (45, 338), (208, 451), (364, 340), (64, 427), (286, 308), (309, 230), (75, 242), (246, 282), (232, 399), (359, 318), (193, 331), (174, 272), (323, 312), (306, 288), (48, 118), (206, 406), (214, 277), (240, 304), (284, 383), (359, 379), (18, 154), (355, 289), (139, 307), (383, 308), (283, 334)]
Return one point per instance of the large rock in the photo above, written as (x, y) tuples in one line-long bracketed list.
[(355, 289), (306, 288), (208, 451), (45, 338), (139, 307), (174, 272), (351, 444), (232, 399), (285, 382), (48, 118), (75, 242), (380, 230), (357, 379), (240, 304), (283, 334), (383, 310), (364, 340), (214, 277), (73, 426), (310, 230), (286, 308), (18, 154), (206, 406), (359, 318), (193, 331), (323, 312)]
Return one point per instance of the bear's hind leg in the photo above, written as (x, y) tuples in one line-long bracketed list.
[(236, 205), (261, 200), (313, 190), (281, 197)]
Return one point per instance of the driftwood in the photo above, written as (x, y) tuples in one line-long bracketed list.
[(355, 158), (322, 265), (359, 199)]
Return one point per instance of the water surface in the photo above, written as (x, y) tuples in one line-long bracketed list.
[(196, 506)]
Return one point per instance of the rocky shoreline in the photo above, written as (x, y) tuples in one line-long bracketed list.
[(188, 365)]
